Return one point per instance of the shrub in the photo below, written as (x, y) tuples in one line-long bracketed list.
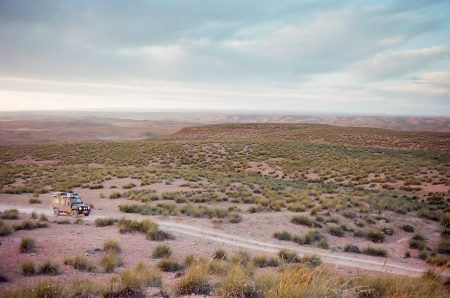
[(377, 252), (63, 222), (237, 283), (115, 195), (220, 254), (408, 228), (418, 242), (110, 261), (311, 259), (313, 236), (111, 245), (336, 230), (444, 246), (29, 225), (161, 251), (5, 230), (352, 248), (265, 261), (10, 214), (285, 235), (28, 268), (27, 245), (43, 217), (129, 185), (288, 256), (49, 268), (303, 220), (194, 282), (234, 218), (43, 288), (34, 201), (189, 259), (80, 263), (375, 236), (145, 226), (134, 281), (104, 221), (240, 257), (169, 265)]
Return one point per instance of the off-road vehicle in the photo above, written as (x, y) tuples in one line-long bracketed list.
[(70, 203)]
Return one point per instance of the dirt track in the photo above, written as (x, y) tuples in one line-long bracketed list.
[(338, 259)]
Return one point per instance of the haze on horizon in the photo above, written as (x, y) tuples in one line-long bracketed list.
[(361, 57)]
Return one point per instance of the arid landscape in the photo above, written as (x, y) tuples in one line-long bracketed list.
[(232, 208)]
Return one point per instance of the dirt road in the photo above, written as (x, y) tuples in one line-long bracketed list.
[(361, 262)]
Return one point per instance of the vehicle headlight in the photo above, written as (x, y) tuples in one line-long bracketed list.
[(79, 208)]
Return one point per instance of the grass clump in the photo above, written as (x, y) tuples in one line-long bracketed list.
[(284, 236), (312, 260), (111, 245), (27, 245), (34, 201), (28, 268), (10, 214), (375, 236), (29, 225), (288, 256), (110, 261), (303, 220), (80, 263), (195, 281), (104, 221), (374, 251), (161, 251), (49, 268), (169, 265), (263, 261), (5, 230), (417, 242), (237, 283), (352, 248), (145, 226), (240, 257), (220, 254)]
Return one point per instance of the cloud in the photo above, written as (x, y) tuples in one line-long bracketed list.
[(393, 64)]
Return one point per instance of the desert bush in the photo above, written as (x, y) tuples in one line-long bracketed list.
[(220, 254), (161, 251), (34, 201), (240, 257), (48, 268), (27, 245), (5, 230), (110, 261), (418, 242), (43, 217), (237, 283), (302, 220), (375, 236), (263, 261), (288, 255), (408, 228), (63, 222), (10, 214), (195, 281), (129, 185), (169, 265), (29, 225), (111, 245), (42, 288), (80, 263), (444, 246), (234, 218), (374, 251), (284, 235), (313, 236), (28, 268), (105, 221), (352, 248), (145, 226), (336, 230), (115, 195), (312, 260), (189, 259)]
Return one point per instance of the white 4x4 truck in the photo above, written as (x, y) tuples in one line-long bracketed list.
[(69, 203)]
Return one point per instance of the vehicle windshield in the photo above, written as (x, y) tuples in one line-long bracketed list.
[(75, 201)]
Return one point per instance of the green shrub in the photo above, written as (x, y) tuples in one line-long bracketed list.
[(110, 261), (312, 260), (377, 252), (28, 268), (288, 255), (111, 245), (161, 251), (263, 261), (5, 230), (336, 230), (49, 268), (80, 263), (375, 236), (284, 235), (444, 246), (10, 214), (352, 248), (220, 254), (27, 245), (303, 220), (169, 265), (104, 221), (417, 242), (194, 282)]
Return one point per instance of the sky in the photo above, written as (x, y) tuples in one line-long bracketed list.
[(352, 57)]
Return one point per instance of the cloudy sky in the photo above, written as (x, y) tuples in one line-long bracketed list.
[(371, 57)]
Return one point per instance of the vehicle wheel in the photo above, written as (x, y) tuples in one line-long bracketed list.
[(74, 213), (86, 214), (56, 211)]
